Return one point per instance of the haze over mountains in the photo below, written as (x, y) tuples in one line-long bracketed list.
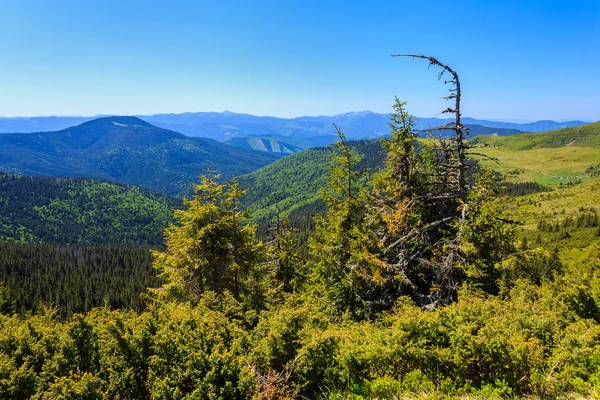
[(281, 135)]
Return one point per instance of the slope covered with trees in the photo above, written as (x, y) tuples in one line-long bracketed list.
[(84, 211), (127, 150), (74, 279), (297, 180)]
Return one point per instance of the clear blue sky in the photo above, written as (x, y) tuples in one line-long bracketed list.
[(518, 60)]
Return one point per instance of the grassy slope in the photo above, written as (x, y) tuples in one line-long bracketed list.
[(548, 158), (552, 159), (582, 136)]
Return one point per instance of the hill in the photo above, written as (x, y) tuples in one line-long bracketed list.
[(83, 211), (296, 180), (550, 158), (565, 161), (581, 136), (127, 150), (476, 129)]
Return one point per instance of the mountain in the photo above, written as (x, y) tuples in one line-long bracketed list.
[(127, 150), (271, 144), (281, 144), (81, 211), (475, 129), (506, 128), (227, 125)]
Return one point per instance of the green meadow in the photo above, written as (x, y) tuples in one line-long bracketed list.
[(560, 161)]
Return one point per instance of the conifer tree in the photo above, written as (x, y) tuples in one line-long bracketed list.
[(343, 246), (286, 265), (210, 248), (414, 234)]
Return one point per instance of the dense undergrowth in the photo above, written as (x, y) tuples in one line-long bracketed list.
[(540, 341)]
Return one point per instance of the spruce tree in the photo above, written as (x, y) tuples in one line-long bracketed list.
[(210, 247), (343, 246), (287, 270)]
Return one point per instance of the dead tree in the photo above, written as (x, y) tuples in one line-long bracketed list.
[(460, 132), (445, 200)]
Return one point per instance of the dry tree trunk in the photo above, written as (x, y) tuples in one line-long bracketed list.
[(448, 195), (459, 130)]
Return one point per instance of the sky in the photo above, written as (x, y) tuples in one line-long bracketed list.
[(517, 60)]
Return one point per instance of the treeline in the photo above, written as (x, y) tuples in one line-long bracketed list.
[(523, 188), (583, 220), (73, 210), (75, 279)]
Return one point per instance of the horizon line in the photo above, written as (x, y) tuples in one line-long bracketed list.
[(504, 120)]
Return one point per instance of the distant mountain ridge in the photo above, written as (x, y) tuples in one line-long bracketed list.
[(126, 150), (226, 125)]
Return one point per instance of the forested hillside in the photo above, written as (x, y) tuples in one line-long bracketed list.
[(127, 150), (296, 181), (84, 211), (74, 279)]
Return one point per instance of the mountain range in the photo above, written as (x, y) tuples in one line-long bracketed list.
[(284, 135), (126, 150)]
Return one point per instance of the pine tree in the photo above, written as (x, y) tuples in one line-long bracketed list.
[(415, 234), (343, 245), (210, 248), (286, 266)]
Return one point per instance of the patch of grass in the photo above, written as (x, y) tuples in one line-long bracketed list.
[(546, 166)]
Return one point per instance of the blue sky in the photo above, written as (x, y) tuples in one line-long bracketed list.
[(518, 60)]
